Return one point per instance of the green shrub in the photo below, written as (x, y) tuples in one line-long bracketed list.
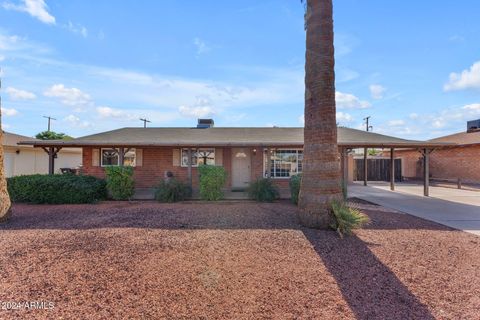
[(263, 190), (120, 183), (294, 184), (346, 219), (212, 180), (172, 191), (56, 189)]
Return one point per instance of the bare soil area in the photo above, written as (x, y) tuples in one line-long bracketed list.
[(232, 260)]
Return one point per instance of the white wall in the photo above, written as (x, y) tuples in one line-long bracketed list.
[(31, 161)]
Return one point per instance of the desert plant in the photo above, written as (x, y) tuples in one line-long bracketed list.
[(294, 184), (212, 180), (172, 191), (346, 218), (263, 190), (120, 183), (56, 189)]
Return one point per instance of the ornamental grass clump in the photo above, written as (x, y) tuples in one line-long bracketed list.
[(346, 218), (212, 180), (263, 190), (172, 190), (120, 183)]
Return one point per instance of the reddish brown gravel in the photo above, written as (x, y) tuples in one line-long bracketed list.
[(232, 260)]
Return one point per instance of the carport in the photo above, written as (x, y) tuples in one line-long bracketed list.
[(349, 140)]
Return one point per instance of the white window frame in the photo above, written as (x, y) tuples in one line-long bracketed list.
[(118, 162), (265, 164), (195, 152)]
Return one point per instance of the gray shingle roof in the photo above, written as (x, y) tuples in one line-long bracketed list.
[(185, 137)]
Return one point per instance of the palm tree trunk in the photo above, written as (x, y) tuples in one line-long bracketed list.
[(321, 167), (4, 197)]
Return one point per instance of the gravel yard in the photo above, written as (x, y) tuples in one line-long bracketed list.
[(232, 260)]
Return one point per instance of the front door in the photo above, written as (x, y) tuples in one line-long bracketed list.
[(241, 173)]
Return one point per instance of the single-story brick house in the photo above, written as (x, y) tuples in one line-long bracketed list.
[(460, 160), (246, 153)]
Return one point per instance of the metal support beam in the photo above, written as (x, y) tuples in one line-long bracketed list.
[(190, 181), (365, 166), (345, 170), (392, 169), (426, 172)]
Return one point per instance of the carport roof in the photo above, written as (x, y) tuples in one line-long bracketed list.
[(216, 137)]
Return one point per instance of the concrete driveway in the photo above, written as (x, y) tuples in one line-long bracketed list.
[(459, 209)]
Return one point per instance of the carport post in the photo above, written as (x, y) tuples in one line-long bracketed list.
[(426, 172), (51, 161), (365, 167), (345, 169), (392, 169)]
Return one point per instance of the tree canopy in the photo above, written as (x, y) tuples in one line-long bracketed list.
[(51, 135)]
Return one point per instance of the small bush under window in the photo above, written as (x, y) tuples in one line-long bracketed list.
[(263, 190), (172, 191), (120, 183), (212, 180), (56, 189), (294, 184)]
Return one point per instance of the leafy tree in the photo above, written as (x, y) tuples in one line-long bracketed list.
[(321, 183), (51, 135)]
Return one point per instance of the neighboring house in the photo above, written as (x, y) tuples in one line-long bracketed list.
[(246, 153), (459, 161), (24, 159)]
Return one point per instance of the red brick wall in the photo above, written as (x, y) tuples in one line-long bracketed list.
[(449, 163), (155, 162)]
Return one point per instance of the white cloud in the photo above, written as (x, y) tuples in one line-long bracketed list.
[(68, 96), (76, 122), (413, 116), (77, 29), (36, 8), (202, 46), (468, 79), (196, 112), (472, 107), (17, 94), (107, 112), (349, 101), (344, 117), (377, 91), (396, 123), (2, 58), (9, 112)]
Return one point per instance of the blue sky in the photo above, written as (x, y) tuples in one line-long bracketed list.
[(99, 65)]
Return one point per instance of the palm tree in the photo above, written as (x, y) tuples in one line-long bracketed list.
[(321, 165), (4, 197)]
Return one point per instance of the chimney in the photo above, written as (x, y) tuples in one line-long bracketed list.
[(205, 123), (473, 126)]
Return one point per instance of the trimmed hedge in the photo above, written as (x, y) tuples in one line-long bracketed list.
[(263, 190), (212, 180), (172, 191), (120, 183), (294, 184), (56, 189)]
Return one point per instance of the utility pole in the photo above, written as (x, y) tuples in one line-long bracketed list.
[(145, 122), (365, 152), (49, 119)]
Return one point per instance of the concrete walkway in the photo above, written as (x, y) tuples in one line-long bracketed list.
[(459, 209)]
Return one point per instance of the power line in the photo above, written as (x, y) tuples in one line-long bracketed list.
[(368, 127)]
